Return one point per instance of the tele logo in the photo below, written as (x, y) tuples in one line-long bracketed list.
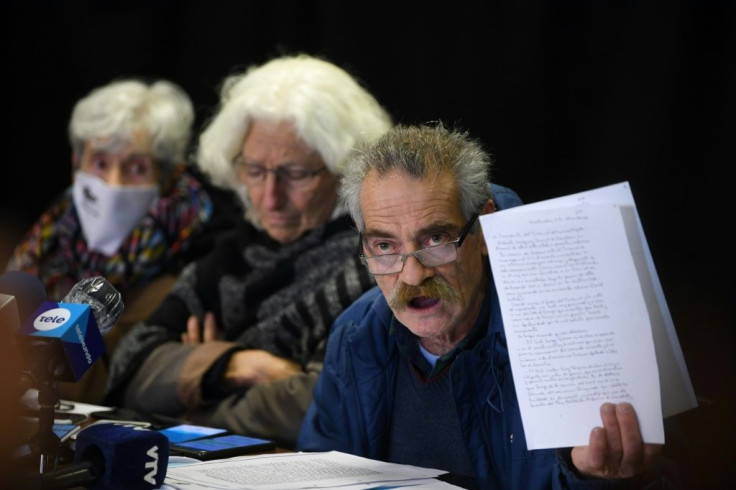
[(51, 319)]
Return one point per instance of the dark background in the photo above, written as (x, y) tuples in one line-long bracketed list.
[(567, 95)]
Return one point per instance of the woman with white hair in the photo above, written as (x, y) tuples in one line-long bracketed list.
[(134, 213), (132, 209), (238, 342)]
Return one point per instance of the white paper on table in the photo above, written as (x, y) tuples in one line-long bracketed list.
[(421, 484), (288, 471), (677, 394), (577, 314)]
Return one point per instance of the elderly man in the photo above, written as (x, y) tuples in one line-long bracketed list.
[(417, 370)]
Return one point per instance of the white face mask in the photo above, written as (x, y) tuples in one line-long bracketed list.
[(109, 213)]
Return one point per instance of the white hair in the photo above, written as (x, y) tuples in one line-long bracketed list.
[(331, 112), (162, 110)]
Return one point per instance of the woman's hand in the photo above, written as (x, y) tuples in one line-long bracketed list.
[(250, 367), (194, 335)]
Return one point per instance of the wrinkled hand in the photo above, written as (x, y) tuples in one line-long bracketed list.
[(251, 367), (615, 450), (209, 332)]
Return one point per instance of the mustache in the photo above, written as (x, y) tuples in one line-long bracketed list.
[(433, 287)]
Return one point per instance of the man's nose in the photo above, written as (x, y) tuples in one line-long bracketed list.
[(414, 273)]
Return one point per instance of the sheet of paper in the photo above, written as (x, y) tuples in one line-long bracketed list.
[(287, 471), (576, 319), (677, 394)]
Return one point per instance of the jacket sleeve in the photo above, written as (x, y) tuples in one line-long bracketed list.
[(166, 324), (170, 378), (338, 415), (301, 329), (322, 428), (272, 411), (276, 410)]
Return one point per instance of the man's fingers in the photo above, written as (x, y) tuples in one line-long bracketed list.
[(616, 450), (613, 433), (633, 450), (598, 450)]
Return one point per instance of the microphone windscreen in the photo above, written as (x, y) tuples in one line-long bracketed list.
[(131, 458), (106, 301), (28, 291)]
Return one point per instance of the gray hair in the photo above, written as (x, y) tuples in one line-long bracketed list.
[(331, 112), (421, 152), (115, 111)]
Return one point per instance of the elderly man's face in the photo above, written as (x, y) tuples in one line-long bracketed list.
[(438, 304), (289, 187)]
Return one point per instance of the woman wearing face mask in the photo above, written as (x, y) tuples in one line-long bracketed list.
[(237, 343), (134, 214)]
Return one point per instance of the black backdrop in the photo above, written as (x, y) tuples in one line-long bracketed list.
[(568, 96)]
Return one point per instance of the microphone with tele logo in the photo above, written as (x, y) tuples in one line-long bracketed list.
[(66, 337), (59, 342)]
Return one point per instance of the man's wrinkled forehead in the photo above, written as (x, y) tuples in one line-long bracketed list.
[(387, 200)]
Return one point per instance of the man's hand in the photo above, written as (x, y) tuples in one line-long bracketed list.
[(250, 367), (193, 337), (616, 449)]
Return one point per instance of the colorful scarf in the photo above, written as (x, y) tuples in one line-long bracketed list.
[(56, 252)]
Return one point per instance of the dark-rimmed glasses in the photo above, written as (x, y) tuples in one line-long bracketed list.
[(434, 256)]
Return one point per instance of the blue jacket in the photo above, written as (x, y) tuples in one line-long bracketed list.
[(353, 399)]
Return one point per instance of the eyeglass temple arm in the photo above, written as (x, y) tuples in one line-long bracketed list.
[(466, 229)]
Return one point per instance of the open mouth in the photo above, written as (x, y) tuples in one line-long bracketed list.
[(423, 302)]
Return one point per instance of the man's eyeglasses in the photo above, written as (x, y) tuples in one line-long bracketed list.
[(255, 175), (434, 256)]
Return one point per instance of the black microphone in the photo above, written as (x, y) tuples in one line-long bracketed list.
[(21, 294), (68, 334), (111, 456)]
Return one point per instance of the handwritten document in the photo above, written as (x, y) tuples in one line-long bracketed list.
[(285, 471), (584, 315)]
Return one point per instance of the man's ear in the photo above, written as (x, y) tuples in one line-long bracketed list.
[(488, 207)]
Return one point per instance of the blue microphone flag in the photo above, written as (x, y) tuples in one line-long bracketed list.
[(73, 328)]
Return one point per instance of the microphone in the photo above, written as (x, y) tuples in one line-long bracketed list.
[(68, 334), (21, 294), (59, 342), (112, 456)]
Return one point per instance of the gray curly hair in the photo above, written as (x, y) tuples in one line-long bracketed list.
[(420, 152)]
